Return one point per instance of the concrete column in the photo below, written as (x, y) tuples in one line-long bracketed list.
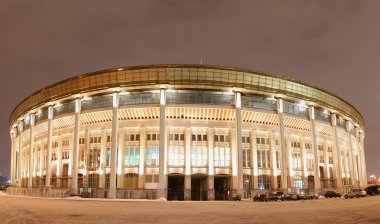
[(315, 150), (120, 172), (142, 158), (272, 139), (20, 174), (360, 171), (240, 187), (74, 159), (337, 154), (31, 151), (103, 149), (363, 163), (303, 161), (211, 190), (49, 146), (351, 165), (284, 164), (114, 144), (187, 193), (12, 157), (59, 161), (255, 168), (326, 161), (162, 160)]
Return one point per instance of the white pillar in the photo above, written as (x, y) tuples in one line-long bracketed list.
[(162, 160), (272, 139), (284, 164), (20, 153), (211, 170), (240, 187), (49, 146), (114, 144), (74, 159), (336, 154), (351, 165), (363, 163), (142, 157), (13, 157), (31, 151), (255, 168), (315, 150)]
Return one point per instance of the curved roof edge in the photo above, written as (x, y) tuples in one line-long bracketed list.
[(280, 76)]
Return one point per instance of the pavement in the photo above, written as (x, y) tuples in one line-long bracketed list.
[(75, 210)]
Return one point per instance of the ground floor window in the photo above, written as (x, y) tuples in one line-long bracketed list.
[(264, 182), (152, 153), (297, 182), (93, 180), (131, 156), (152, 178), (279, 182), (131, 181)]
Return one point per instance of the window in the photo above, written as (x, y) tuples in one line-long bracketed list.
[(222, 156), (65, 143), (133, 137), (176, 156), (108, 157), (131, 181), (297, 182), (295, 144), (199, 149), (82, 141), (278, 159), (331, 160), (222, 138), (246, 139), (296, 159), (94, 157), (320, 152), (107, 181), (308, 146), (54, 145), (262, 141), (108, 138), (246, 157), (279, 182), (66, 154), (309, 161), (264, 182), (131, 156), (95, 140), (263, 158), (93, 180), (152, 154)]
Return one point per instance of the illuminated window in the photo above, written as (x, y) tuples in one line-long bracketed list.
[(296, 159), (94, 157), (176, 149), (297, 182), (309, 161), (246, 140), (152, 154), (131, 156), (264, 182), (199, 149)]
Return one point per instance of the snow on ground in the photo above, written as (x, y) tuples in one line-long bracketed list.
[(2, 193), (78, 210)]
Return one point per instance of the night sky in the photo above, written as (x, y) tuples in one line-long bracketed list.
[(331, 44)]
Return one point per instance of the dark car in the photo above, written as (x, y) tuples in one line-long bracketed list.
[(310, 196), (373, 190), (235, 197), (332, 194), (277, 196), (261, 197)]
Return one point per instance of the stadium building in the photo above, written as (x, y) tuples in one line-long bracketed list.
[(185, 132)]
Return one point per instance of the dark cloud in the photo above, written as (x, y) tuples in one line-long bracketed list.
[(331, 44)]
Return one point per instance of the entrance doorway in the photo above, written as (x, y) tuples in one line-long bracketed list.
[(222, 188), (176, 188), (199, 186)]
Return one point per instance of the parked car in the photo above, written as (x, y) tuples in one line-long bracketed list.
[(311, 196), (235, 197), (355, 193), (373, 190), (261, 197), (332, 194), (277, 196)]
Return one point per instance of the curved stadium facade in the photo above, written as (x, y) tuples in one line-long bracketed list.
[(185, 132)]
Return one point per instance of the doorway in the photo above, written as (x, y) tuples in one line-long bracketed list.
[(222, 187), (176, 188), (199, 186)]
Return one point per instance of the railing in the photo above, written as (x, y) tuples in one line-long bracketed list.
[(43, 192), (258, 102)]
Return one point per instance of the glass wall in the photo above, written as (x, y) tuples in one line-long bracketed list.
[(199, 97), (259, 102)]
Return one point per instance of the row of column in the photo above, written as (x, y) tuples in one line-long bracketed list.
[(162, 153)]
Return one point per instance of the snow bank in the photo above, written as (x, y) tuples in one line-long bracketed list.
[(3, 193)]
